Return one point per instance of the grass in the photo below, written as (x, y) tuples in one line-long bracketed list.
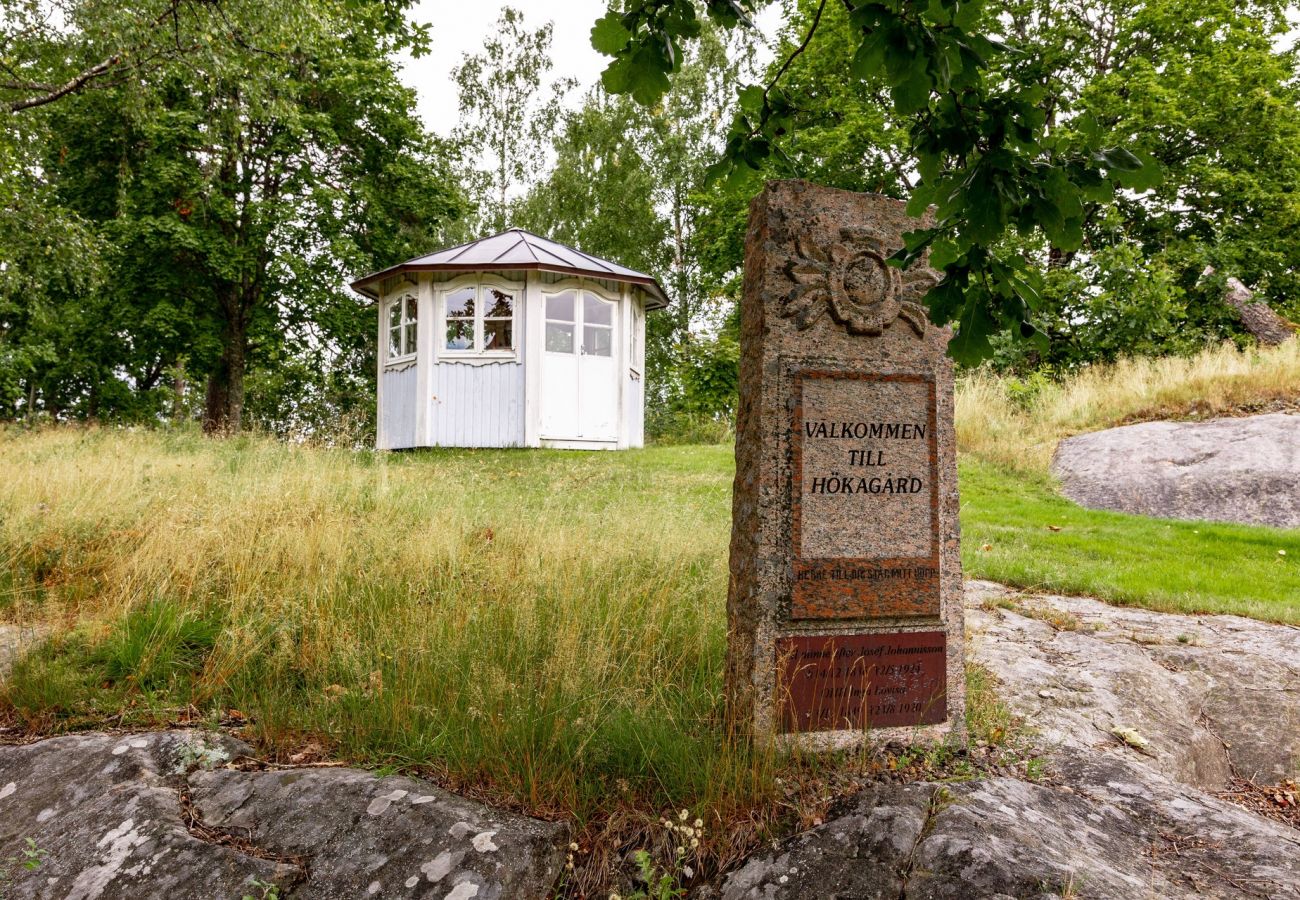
[(543, 630), (1017, 530), (1017, 425)]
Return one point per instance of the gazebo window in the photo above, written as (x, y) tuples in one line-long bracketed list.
[(402, 317), (597, 326), (479, 319)]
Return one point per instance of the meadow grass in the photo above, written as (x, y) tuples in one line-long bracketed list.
[(541, 629), (1017, 424)]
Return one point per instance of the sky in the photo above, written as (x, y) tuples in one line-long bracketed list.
[(459, 25)]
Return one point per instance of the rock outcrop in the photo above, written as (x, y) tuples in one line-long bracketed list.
[(1227, 470), (1143, 717), (160, 816)]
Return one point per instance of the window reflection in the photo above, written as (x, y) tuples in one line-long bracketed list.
[(559, 337), (597, 340), (461, 302), (559, 307), (596, 311)]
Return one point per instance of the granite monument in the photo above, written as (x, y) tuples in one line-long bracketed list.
[(844, 604)]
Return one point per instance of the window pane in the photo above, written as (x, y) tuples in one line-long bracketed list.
[(461, 302), (597, 341), (412, 309), (410, 337), (560, 307), (395, 341), (499, 304), (559, 337), (460, 334), (596, 311), (395, 314), (497, 334)]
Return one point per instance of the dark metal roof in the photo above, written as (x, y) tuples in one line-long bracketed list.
[(517, 249)]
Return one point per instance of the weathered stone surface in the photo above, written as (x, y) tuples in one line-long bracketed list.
[(1206, 696), (1210, 694), (1108, 829), (1228, 470), (842, 377), (364, 836), (109, 813)]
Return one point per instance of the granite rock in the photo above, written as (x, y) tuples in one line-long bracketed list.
[(1201, 698), (363, 836), (1228, 470), (1212, 696), (14, 639), (160, 815), (1106, 828)]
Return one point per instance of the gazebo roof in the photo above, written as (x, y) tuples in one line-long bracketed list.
[(517, 249)]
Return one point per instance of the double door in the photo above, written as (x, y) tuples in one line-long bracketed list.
[(579, 376)]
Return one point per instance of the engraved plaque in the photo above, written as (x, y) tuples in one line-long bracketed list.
[(866, 496), (843, 682)]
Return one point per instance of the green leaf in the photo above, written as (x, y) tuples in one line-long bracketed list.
[(1145, 177), (751, 99), (608, 35), (943, 253), (967, 15), (913, 94), (869, 59)]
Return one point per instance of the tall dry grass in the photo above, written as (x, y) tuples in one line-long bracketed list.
[(1017, 424)]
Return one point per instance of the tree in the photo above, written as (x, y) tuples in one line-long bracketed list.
[(233, 198), (977, 139), (506, 117)]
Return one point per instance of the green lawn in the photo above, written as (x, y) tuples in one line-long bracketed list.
[(544, 629), (1194, 567)]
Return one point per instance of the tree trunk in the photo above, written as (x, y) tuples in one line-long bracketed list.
[(223, 405)]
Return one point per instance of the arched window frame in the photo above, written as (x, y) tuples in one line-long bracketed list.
[(480, 283), (401, 325), (591, 287)]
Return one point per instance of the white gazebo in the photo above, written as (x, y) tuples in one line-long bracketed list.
[(512, 340)]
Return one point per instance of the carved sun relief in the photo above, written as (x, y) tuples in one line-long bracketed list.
[(851, 278)]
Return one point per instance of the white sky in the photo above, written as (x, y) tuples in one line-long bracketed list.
[(459, 26)]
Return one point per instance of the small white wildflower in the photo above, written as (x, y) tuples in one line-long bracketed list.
[(783, 879), (699, 823), (574, 847), (695, 842), (688, 871), (1281, 553), (684, 815)]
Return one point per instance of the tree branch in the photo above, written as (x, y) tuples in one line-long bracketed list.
[(75, 83)]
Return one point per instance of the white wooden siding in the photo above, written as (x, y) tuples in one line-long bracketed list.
[(477, 405), (398, 408)]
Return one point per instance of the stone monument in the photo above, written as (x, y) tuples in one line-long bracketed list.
[(844, 605)]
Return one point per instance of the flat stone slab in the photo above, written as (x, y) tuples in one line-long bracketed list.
[(1142, 715), (159, 815), (1225, 470)]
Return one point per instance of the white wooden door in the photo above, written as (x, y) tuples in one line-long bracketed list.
[(579, 378)]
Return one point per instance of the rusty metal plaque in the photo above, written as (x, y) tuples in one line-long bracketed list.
[(857, 681)]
